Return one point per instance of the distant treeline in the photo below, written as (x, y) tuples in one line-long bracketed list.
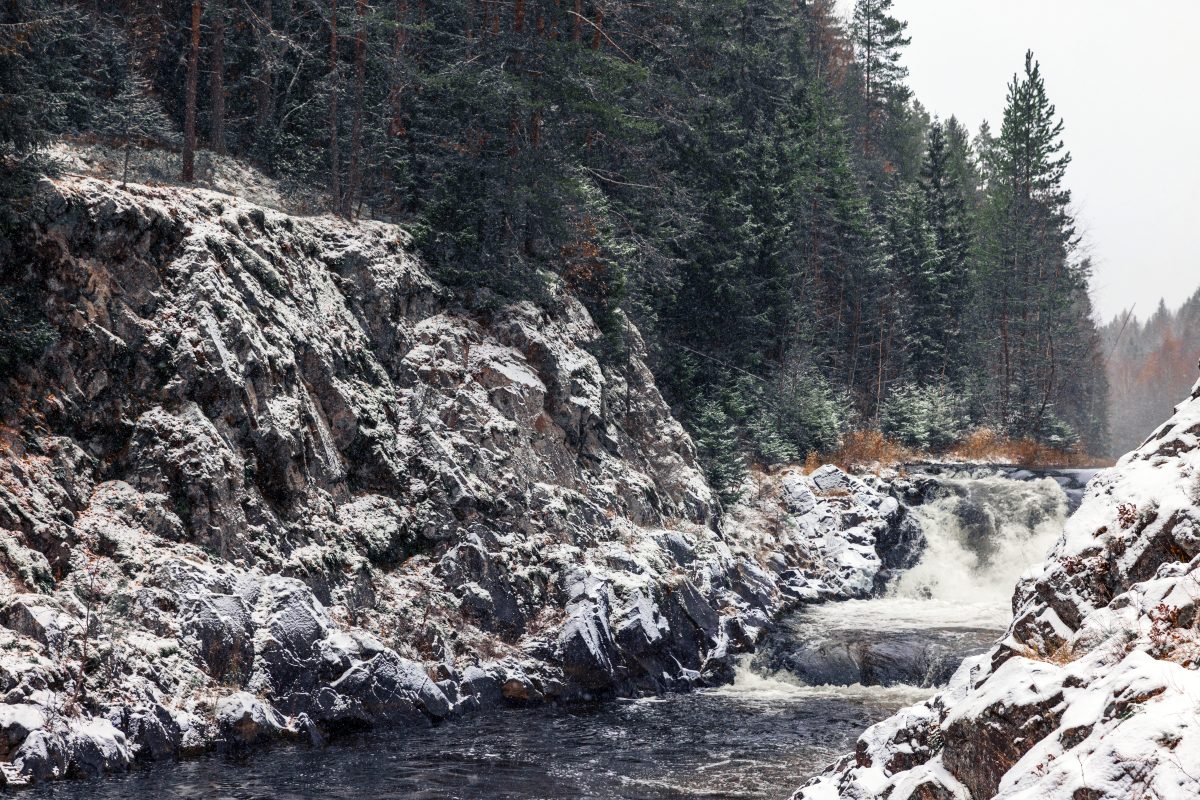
[(1151, 368), (805, 250)]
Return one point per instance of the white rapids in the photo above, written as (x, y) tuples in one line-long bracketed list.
[(980, 540), (981, 535)]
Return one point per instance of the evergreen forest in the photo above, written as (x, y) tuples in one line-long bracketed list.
[(806, 251)]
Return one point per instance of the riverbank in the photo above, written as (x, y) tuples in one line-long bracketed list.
[(270, 482), (821, 674)]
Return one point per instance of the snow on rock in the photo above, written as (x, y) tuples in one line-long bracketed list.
[(273, 481), (244, 718), (840, 538), (1095, 690)]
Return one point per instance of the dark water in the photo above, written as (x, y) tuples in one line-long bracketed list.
[(823, 676), (756, 741)]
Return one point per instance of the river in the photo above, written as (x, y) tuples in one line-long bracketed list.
[(825, 674)]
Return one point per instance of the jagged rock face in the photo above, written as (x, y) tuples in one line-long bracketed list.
[(1095, 690), (273, 481)]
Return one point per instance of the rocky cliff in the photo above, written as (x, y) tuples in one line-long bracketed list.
[(1095, 691), (272, 481)]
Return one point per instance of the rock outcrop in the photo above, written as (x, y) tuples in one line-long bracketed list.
[(1095, 691), (273, 482)]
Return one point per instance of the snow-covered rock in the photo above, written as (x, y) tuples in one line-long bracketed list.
[(1095, 690), (272, 480)]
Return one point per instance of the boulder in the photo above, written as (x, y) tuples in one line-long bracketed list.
[(247, 721)]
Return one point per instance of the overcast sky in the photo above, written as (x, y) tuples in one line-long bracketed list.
[(1122, 77)]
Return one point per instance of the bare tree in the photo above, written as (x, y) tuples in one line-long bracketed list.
[(189, 124), (335, 159), (217, 80)]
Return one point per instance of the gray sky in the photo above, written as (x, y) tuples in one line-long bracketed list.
[(1122, 77)]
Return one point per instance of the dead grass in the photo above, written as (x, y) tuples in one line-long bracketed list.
[(864, 449), (989, 446), (1061, 656), (870, 449)]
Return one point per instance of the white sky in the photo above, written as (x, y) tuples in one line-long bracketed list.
[(1122, 77)]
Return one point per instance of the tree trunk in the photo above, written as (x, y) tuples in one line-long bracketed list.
[(335, 159), (597, 37), (519, 16), (396, 95), (189, 119), (577, 33), (264, 87), (217, 84), (360, 74)]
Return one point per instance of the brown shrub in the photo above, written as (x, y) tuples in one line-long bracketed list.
[(868, 448), (988, 445), (871, 449), (980, 445)]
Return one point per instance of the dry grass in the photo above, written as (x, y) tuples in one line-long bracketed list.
[(870, 449), (987, 445), (1064, 654), (865, 449)]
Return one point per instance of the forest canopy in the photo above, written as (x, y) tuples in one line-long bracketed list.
[(805, 250)]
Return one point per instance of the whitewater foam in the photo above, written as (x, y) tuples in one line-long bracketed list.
[(777, 688), (980, 537)]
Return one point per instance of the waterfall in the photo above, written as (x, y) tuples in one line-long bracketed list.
[(981, 535)]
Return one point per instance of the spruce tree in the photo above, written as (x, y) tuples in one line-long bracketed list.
[(1034, 285), (946, 211), (915, 263), (717, 446)]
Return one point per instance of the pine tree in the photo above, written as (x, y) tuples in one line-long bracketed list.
[(193, 76), (879, 41), (1035, 289), (943, 175)]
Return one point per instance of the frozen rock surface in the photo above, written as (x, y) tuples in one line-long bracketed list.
[(1095, 691), (271, 481)]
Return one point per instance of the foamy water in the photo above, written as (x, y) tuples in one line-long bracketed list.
[(777, 688), (980, 540), (981, 535)]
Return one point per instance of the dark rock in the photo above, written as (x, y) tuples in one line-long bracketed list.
[(246, 721)]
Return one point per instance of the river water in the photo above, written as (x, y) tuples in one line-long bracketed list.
[(822, 677)]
